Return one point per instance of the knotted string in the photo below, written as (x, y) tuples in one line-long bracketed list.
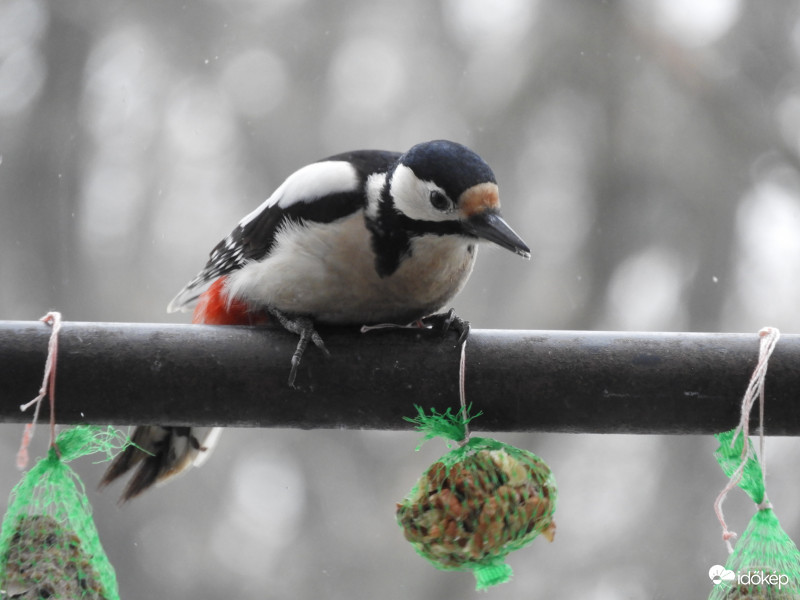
[(462, 395), (48, 388), (755, 389)]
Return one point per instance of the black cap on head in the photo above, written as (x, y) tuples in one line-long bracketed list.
[(451, 166)]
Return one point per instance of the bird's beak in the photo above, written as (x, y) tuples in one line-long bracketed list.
[(490, 226)]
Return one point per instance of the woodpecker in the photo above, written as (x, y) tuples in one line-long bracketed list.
[(359, 238)]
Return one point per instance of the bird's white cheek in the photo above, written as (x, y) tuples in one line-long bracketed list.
[(411, 196)]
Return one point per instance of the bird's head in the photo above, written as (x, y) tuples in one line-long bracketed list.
[(444, 186)]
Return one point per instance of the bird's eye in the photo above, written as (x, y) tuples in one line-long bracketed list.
[(438, 200)]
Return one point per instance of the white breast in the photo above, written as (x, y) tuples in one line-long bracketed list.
[(327, 271)]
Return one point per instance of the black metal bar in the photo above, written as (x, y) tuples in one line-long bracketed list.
[(599, 382)]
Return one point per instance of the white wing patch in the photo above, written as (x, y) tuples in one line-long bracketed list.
[(309, 183)]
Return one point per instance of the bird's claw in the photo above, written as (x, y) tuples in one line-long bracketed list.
[(448, 321), (304, 327)]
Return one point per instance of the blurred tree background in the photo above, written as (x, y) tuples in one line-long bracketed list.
[(648, 152)]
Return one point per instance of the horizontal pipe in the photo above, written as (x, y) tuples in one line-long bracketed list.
[(596, 382)]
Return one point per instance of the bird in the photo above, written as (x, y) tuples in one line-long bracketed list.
[(359, 238)]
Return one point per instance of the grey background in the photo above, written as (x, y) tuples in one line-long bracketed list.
[(646, 151)]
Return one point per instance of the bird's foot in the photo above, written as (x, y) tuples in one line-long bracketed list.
[(447, 321), (304, 327)]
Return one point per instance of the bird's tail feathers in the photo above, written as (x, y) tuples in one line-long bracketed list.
[(158, 453)]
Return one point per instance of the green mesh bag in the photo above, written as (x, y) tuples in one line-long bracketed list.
[(477, 503), (49, 546), (765, 564)]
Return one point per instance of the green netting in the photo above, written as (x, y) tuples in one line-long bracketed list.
[(765, 564), (49, 546), (729, 456), (477, 503)]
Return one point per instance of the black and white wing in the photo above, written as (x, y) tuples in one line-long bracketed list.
[(321, 192)]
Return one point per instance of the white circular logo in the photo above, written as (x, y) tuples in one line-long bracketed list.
[(718, 574)]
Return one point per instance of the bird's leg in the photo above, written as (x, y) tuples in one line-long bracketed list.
[(447, 321), (304, 327)]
